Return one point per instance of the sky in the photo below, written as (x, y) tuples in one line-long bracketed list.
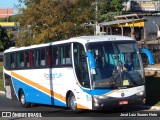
[(9, 4)]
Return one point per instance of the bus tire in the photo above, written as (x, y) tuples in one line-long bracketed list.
[(22, 100), (72, 102)]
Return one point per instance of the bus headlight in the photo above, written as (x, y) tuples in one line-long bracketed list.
[(140, 93), (100, 97)]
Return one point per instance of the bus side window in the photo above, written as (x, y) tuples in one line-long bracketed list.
[(68, 54), (43, 57), (55, 58), (37, 57), (62, 58), (49, 58), (13, 61), (7, 61), (20, 59), (65, 54), (29, 57)]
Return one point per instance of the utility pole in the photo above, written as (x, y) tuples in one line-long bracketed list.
[(7, 15), (97, 28), (132, 24), (132, 31)]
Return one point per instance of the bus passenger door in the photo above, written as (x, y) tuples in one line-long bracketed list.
[(81, 74)]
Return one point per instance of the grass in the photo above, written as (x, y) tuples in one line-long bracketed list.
[(1, 85), (1, 76), (152, 88)]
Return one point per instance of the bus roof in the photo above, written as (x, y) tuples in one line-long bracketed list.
[(81, 39), (104, 38)]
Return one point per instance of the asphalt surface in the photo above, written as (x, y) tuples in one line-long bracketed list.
[(41, 112)]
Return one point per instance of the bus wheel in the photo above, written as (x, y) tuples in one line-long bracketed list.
[(72, 102), (23, 100)]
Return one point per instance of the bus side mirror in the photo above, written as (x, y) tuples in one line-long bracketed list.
[(91, 60), (149, 55)]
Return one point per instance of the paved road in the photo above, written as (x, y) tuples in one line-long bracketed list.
[(7, 105)]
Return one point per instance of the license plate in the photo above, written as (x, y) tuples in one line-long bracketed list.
[(124, 102)]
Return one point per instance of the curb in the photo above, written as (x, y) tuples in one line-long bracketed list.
[(2, 92), (157, 108)]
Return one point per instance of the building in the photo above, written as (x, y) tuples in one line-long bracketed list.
[(6, 12), (142, 6), (144, 27)]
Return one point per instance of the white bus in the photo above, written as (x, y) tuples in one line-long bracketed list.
[(88, 72)]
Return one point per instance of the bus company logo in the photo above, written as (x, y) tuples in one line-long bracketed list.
[(52, 76), (122, 94)]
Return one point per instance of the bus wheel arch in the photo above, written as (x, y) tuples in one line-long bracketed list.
[(71, 102), (67, 97), (22, 99), (19, 91)]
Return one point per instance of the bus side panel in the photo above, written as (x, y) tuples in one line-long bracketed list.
[(35, 95), (84, 100), (9, 91)]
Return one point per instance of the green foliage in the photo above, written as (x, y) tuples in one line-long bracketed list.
[(109, 16), (1, 77), (4, 40), (1, 84), (6, 33), (50, 20), (9, 19), (116, 5), (110, 8)]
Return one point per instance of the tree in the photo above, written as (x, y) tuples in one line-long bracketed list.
[(51, 20), (110, 8), (9, 19), (4, 40)]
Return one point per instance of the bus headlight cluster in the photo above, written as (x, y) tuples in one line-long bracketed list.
[(140, 93), (100, 97)]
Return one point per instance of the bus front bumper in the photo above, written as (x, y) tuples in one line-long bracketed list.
[(102, 104)]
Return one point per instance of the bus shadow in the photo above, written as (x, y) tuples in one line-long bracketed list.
[(56, 111), (152, 91)]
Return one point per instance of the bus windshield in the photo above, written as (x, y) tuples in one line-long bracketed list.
[(117, 64)]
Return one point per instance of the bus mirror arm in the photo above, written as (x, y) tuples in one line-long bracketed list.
[(149, 55)]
